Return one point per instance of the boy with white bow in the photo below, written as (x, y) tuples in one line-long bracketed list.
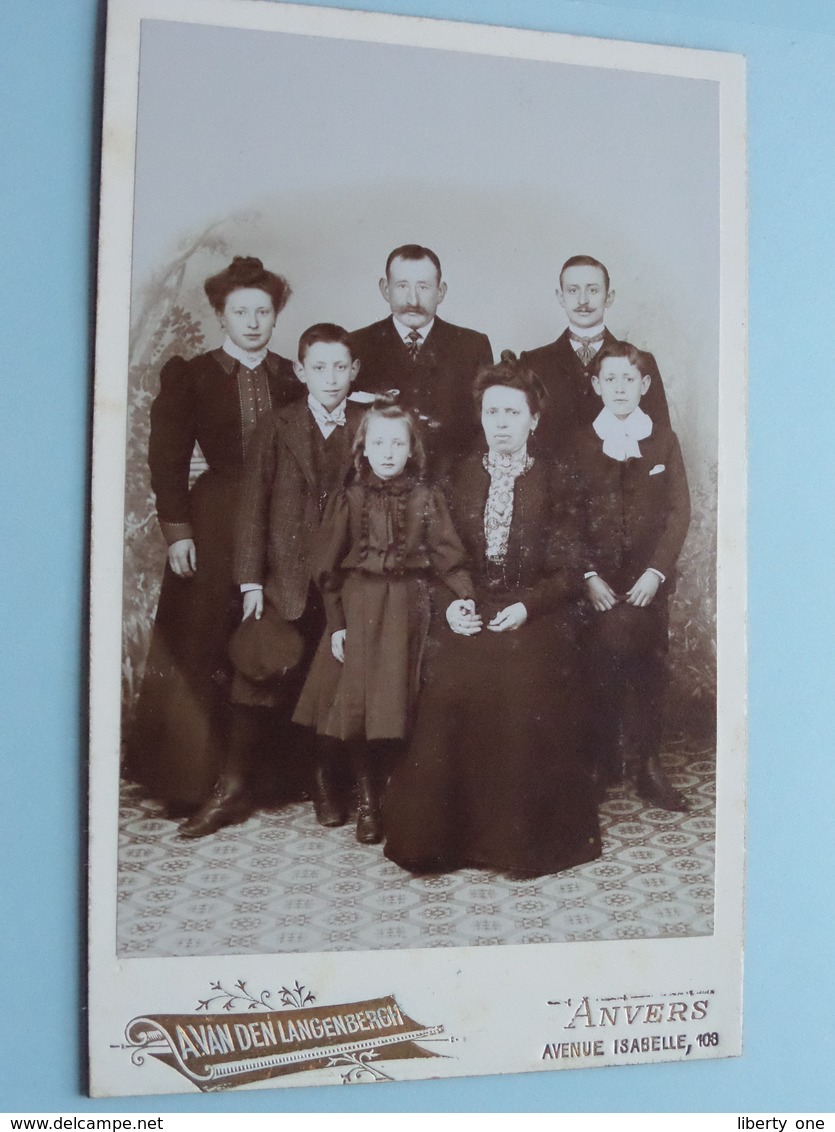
[(634, 508)]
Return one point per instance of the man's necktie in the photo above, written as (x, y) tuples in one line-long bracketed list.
[(414, 341), (586, 350)]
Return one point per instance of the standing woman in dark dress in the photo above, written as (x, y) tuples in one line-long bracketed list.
[(177, 741), (494, 775)]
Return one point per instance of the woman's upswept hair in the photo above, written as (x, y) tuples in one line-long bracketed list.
[(510, 372), (246, 271), (388, 409), (635, 357)]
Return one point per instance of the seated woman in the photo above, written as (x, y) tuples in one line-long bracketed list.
[(494, 776)]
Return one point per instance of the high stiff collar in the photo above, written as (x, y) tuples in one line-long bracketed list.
[(405, 331), (507, 464), (399, 485), (586, 331), (620, 437), (250, 359)]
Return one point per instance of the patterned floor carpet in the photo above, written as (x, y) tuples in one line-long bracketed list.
[(281, 883)]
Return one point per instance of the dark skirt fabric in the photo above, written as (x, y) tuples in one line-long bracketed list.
[(494, 775), (372, 695), (179, 732)]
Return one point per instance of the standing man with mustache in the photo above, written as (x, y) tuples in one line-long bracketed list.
[(564, 365), (430, 362)]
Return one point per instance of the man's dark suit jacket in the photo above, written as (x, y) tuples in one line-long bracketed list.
[(280, 508), (437, 386), (572, 403)]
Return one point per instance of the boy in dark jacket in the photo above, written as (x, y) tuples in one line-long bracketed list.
[(634, 507), (297, 457)]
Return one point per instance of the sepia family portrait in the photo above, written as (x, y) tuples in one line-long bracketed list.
[(423, 359)]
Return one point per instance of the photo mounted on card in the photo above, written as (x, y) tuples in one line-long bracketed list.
[(418, 579)]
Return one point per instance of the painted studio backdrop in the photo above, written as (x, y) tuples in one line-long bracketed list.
[(319, 156)]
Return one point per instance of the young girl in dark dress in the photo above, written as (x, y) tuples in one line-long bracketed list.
[(383, 537)]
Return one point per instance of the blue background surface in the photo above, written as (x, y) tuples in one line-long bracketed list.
[(49, 82)]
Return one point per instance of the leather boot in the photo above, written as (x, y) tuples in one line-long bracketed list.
[(328, 799), (369, 819), (230, 801), (228, 805), (654, 787)]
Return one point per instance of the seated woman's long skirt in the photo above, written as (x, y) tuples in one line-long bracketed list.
[(494, 776)]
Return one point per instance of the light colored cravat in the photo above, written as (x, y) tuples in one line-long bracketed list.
[(620, 437), (586, 347)]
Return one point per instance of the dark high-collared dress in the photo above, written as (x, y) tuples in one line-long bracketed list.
[(177, 738), (494, 774), (378, 548)]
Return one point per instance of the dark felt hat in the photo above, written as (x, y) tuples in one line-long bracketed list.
[(266, 649)]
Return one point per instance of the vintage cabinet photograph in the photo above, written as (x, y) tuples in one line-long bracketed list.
[(418, 577)]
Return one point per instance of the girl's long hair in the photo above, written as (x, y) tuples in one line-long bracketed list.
[(388, 408)]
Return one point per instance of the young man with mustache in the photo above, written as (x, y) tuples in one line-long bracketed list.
[(564, 365)]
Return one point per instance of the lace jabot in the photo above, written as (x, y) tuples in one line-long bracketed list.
[(503, 470)]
